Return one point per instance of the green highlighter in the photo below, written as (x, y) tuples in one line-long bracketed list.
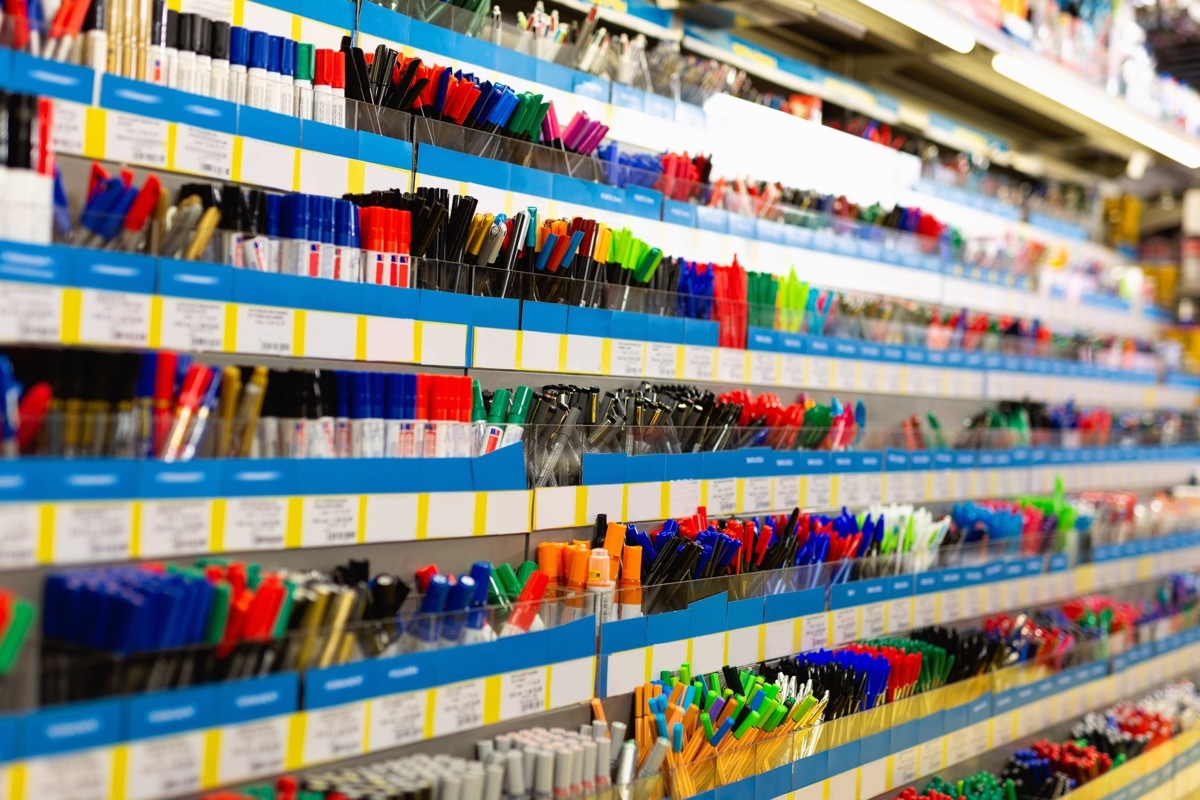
[(16, 631)]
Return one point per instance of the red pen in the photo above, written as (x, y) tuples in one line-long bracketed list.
[(164, 393), (529, 602), (195, 382), (133, 229)]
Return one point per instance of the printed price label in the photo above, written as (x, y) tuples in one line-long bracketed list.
[(904, 767), (925, 611), (900, 615), (254, 749), (165, 766), (86, 775), (820, 372), (204, 152), (685, 497), (931, 756), (873, 622), (722, 496), (70, 127), (845, 625), (192, 324), (175, 528), (19, 525), (119, 318), (522, 693), (976, 736), (329, 520), (972, 602), (265, 330), (819, 491), (698, 362), (93, 532), (958, 750), (845, 374), (628, 358), (255, 523), (458, 707), (30, 313), (787, 491), (814, 632), (852, 489), (890, 378), (764, 368), (333, 733), (943, 484), (756, 495), (792, 371), (134, 139), (397, 719), (662, 360), (731, 365)]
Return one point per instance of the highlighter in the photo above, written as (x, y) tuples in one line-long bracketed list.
[(524, 616)]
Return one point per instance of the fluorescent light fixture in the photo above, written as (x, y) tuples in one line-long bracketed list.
[(1045, 79), (927, 20)]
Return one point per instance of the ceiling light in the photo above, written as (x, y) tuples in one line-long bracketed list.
[(928, 21), (1044, 79)]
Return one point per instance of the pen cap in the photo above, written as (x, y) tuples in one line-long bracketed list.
[(274, 53), (158, 20), (598, 568), (631, 563), (220, 41), (322, 219), (274, 215), (201, 35), (304, 62), (233, 208), (345, 224), (337, 69), (299, 216), (321, 67), (287, 58), (186, 30), (94, 21), (499, 407), (403, 231), (171, 34), (239, 45), (519, 411), (393, 407), (260, 45)]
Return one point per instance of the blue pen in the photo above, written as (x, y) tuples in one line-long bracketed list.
[(461, 595), (547, 247), (208, 404), (10, 419), (477, 628), (424, 627)]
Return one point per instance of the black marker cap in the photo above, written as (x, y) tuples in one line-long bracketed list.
[(158, 22), (202, 36), (220, 41), (22, 118), (94, 21), (187, 26), (171, 34), (233, 208)]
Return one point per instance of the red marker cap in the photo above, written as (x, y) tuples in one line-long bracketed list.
[(337, 77), (529, 601), (143, 205), (424, 574), (321, 68), (422, 404)]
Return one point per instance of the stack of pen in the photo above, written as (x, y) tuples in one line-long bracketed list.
[(515, 598), (117, 630)]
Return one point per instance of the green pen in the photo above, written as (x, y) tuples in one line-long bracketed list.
[(706, 722), (508, 582), (526, 569), (16, 631), (514, 424), (478, 416), (218, 614)]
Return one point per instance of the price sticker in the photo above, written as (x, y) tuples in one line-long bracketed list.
[(814, 632), (722, 496), (135, 139), (764, 368), (846, 625), (872, 487), (397, 719), (30, 312), (852, 488), (69, 131), (329, 520), (662, 360), (86, 532), (19, 527), (904, 767), (731, 365), (820, 372), (85, 775), (458, 707), (698, 362), (900, 615), (787, 491), (685, 497), (931, 756), (584, 354), (873, 620), (120, 318), (820, 490), (756, 495), (252, 749), (255, 523), (165, 766), (333, 733), (175, 528), (943, 484), (925, 610), (976, 736), (265, 330), (792, 371), (958, 750), (845, 374), (873, 778), (192, 324), (972, 602), (522, 693), (629, 358), (204, 152), (890, 378)]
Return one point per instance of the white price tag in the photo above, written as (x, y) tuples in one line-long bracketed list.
[(136, 140), (30, 312), (120, 318), (845, 625), (873, 620), (958, 750), (792, 371), (86, 532), (943, 484), (458, 707), (764, 368), (165, 766), (397, 719), (814, 632), (204, 152), (252, 749), (890, 378), (820, 491), (787, 491), (900, 615), (977, 738), (662, 360), (70, 127), (522, 693), (628, 358), (330, 335), (756, 495), (255, 523), (904, 767), (731, 365), (698, 362), (925, 610), (19, 527), (192, 324), (685, 497), (265, 330), (85, 775), (175, 528), (972, 602), (584, 354), (333, 733), (845, 374), (931, 756), (722, 496), (329, 520), (852, 489)]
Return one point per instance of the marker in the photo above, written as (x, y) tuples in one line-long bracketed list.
[(514, 426), (303, 82), (287, 72), (256, 71), (494, 432), (185, 60), (239, 60), (218, 86)]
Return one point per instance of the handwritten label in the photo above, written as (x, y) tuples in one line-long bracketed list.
[(333, 733), (522, 693), (397, 719), (698, 362), (86, 775), (814, 632), (265, 330), (845, 625), (93, 532), (119, 318), (819, 491), (192, 324), (139, 140), (458, 707), (19, 524), (722, 496), (628, 358), (204, 152), (329, 520), (165, 767), (254, 749), (662, 360), (756, 495), (30, 312), (255, 523), (175, 528)]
